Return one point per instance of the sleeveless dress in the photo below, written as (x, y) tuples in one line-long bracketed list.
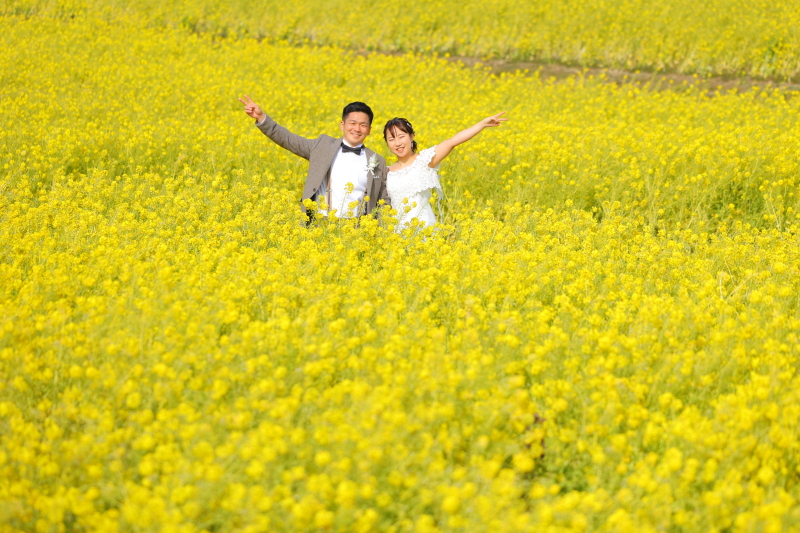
[(410, 190)]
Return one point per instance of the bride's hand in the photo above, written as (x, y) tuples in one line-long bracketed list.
[(494, 120)]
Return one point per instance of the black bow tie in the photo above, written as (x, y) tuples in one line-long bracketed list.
[(356, 150)]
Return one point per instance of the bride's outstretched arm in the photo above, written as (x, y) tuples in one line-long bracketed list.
[(444, 148)]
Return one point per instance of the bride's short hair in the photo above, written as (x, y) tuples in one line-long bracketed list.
[(402, 125)]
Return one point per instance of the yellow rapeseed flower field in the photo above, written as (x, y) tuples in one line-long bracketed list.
[(729, 37), (601, 336)]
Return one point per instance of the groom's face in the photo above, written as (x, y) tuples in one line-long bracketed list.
[(355, 127)]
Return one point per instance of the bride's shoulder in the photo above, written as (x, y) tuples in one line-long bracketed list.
[(427, 155)]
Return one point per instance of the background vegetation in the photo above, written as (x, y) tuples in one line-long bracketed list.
[(601, 336), (725, 37)]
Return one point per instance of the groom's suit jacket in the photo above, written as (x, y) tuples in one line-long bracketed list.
[(320, 153)]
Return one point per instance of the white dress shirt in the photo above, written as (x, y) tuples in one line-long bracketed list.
[(347, 168)]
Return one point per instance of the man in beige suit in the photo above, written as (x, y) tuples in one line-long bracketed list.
[(345, 177)]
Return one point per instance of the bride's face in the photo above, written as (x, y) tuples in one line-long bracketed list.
[(399, 142)]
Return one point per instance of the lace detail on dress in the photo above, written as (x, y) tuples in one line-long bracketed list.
[(413, 179), (426, 156)]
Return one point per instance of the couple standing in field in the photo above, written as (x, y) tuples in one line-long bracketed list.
[(347, 179)]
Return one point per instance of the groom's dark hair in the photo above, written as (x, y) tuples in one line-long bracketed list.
[(357, 107)]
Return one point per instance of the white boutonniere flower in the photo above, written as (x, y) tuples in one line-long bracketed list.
[(372, 164)]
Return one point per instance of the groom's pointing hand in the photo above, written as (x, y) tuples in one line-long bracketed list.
[(252, 109)]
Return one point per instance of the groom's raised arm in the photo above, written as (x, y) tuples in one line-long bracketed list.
[(284, 138)]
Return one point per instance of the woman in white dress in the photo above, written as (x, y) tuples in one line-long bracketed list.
[(412, 179)]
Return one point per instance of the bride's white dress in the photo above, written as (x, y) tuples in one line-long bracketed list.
[(410, 190)]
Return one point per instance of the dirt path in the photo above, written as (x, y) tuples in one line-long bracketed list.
[(658, 81)]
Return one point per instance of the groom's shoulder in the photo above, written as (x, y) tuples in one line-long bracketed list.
[(323, 140), (326, 140)]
